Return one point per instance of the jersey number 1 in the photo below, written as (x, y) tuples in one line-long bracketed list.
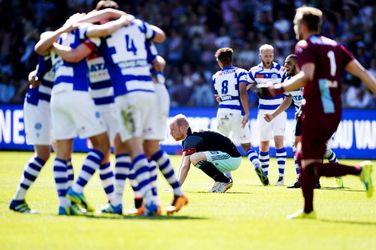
[(325, 85)]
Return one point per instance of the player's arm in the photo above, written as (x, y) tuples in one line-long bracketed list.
[(284, 105), (159, 63), (48, 38), (109, 27), (159, 35), (102, 15), (184, 168), (297, 81), (356, 69), (300, 80), (244, 101), (72, 55)]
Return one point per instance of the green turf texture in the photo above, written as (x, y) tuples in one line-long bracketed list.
[(248, 216)]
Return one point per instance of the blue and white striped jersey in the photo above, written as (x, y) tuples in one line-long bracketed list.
[(126, 57), (259, 75), (45, 73), (226, 85), (297, 95), (101, 89), (72, 76)]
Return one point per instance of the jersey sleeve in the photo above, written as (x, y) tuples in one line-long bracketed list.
[(213, 84), (243, 77), (151, 50), (146, 29), (91, 42), (251, 78), (43, 66), (304, 53), (191, 144), (346, 55)]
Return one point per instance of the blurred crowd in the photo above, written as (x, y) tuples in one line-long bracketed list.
[(195, 30)]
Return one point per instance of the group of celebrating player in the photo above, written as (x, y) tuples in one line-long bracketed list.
[(100, 81), (99, 77)]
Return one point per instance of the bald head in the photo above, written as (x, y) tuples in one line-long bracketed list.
[(179, 127)]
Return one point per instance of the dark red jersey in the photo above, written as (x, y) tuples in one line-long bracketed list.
[(323, 93)]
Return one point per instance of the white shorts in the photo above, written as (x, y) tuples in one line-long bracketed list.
[(109, 116), (276, 127), (229, 123), (135, 115), (37, 121), (162, 109), (74, 113)]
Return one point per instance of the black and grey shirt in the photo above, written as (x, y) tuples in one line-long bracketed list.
[(208, 141)]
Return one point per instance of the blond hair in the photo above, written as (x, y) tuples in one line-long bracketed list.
[(310, 16), (266, 47)]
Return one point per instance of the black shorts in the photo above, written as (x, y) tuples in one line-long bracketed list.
[(298, 126)]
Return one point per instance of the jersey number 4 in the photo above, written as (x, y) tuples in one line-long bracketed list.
[(130, 45)]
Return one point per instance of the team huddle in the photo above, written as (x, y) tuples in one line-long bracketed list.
[(100, 77)]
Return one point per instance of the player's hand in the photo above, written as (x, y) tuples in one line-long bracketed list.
[(73, 22), (33, 79), (217, 98), (268, 117), (268, 90), (298, 113), (245, 120)]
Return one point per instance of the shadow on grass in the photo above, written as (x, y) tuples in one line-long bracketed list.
[(362, 223), (206, 192), (345, 189), (125, 217)]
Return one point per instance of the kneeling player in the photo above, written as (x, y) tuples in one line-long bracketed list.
[(211, 152)]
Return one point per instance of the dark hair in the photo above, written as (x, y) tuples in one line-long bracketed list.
[(224, 55), (292, 56), (104, 4)]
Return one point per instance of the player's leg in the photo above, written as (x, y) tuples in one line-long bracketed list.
[(264, 156), (253, 158), (132, 116), (296, 162), (331, 156), (30, 174), (38, 133), (224, 163), (106, 173), (107, 177), (122, 171), (88, 123), (63, 154), (279, 127), (201, 161), (228, 124), (91, 164), (265, 135), (281, 158)]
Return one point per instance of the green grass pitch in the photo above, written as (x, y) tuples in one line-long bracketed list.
[(248, 216)]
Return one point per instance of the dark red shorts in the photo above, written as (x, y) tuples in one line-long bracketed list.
[(315, 133)]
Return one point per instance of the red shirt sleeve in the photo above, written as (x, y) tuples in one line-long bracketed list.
[(189, 151), (90, 44), (346, 55), (304, 53)]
